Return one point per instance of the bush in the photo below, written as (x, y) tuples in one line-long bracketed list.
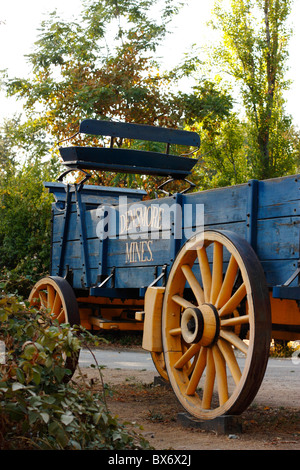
[(39, 409), (25, 219)]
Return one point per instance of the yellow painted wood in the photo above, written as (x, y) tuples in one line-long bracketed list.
[(226, 289), (181, 301), (187, 356), (285, 312), (152, 340), (210, 325), (209, 381), (234, 301), (221, 375), (43, 299), (175, 332), (50, 297), (160, 365), (217, 272), (230, 359), (205, 273), (193, 282), (235, 321), (116, 325), (57, 305), (197, 372), (233, 339), (139, 316)]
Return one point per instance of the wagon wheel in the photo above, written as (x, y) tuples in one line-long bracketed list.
[(160, 365), (216, 302), (55, 294)]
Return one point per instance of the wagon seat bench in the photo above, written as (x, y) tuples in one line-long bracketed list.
[(127, 160)]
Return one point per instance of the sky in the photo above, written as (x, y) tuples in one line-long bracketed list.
[(20, 20)]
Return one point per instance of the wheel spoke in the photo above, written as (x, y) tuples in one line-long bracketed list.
[(175, 332), (235, 321), (227, 286), (197, 372), (43, 298), (193, 282), (192, 351), (57, 304), (50, 296), (217, 272), (182, 302), (209, 381), (234, 301), (61, 317), (221, 375), (234, 340), (205, 272), (228, 353)]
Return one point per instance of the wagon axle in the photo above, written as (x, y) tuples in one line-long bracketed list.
[(200, 325)]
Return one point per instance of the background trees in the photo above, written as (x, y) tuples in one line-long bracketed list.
[(105, 65), (254, 53)]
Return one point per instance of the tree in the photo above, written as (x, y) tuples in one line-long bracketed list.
[(104, 67), (100, 66), (254, 52)]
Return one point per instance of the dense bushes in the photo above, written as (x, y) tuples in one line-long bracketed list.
[(25, 221), (38, 409)]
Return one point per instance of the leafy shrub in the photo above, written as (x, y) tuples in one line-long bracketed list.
[(25, 218), (39, 409)]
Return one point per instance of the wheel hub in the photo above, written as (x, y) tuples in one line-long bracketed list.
[(200, 325)]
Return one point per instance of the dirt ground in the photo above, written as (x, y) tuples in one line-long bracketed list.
[(272, 422)]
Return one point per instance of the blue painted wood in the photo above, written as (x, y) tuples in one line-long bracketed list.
[(127, 161), (138, 261), (118, 159), (139, 131), (252, 213), (282, 292), (93, 194)]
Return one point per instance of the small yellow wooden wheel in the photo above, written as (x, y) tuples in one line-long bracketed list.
[(216, 325), (57, 296)]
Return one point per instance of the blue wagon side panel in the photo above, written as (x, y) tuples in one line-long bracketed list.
[(266, 213)]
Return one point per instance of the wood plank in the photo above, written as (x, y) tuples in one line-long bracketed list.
[(139, 131)]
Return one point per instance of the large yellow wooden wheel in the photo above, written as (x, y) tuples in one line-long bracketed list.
[(216, 325), (57, 296)]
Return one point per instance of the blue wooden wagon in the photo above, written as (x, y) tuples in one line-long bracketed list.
[(210, 277)]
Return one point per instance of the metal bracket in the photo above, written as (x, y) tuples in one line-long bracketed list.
[(162, 275), (168, 193), (285, 291), (81, 183), (293, 276), (111, 276), (69, 275)]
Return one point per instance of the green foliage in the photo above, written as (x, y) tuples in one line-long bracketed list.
[(100, 66), (39, 410), (105, 66), (25, 218), (254, 53)]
